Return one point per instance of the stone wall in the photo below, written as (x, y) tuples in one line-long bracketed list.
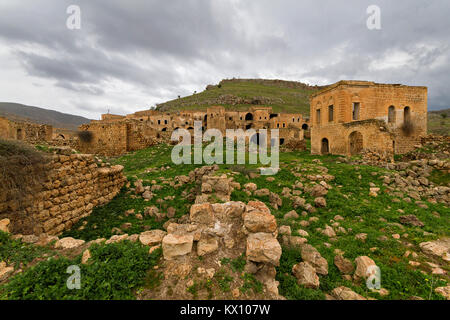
[(75, 184), (25, 131)]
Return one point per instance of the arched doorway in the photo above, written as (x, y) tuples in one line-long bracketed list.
[(248, 117), (305, 126), (325, 148), (281, 141), (356, 142)]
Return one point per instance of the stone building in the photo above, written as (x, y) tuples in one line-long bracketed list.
[(116, 135), (349, 117), (25, 131)]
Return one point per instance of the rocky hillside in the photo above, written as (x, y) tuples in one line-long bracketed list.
[(316, 230), (236, 94), (439, 122), (15, 111)]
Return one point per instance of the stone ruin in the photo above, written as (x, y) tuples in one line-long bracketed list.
[(216, 231)]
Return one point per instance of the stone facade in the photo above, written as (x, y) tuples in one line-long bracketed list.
[(25, 131), (75, 185), (351, 116), (116, 135)]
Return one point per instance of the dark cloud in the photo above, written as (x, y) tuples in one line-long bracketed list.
[(132, 54)]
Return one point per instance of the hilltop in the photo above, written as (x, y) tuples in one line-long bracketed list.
[(16, 111), (439, 122), (238, 94)]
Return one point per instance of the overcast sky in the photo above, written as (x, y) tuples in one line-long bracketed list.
[(130, 54)]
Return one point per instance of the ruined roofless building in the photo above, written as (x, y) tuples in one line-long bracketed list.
[(116, 135), (349, 117)]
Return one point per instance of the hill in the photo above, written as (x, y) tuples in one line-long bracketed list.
[(439, 122), (15, 111), (238, 94)]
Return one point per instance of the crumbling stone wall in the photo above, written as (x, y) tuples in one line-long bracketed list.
[(75, 184), (401, 112), (25, 131)]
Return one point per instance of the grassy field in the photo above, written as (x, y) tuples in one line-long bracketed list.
[(349, 198)]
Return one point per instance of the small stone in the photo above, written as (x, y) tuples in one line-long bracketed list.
[(306, 275), (86, 256), (345, 266), (68, 243)]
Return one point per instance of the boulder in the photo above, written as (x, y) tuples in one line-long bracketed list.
[(439, 248), (345, 266), (363, 263), (202, 213), (152, 237), (4, 223), (443, 291), (291, 215), (311, 255), (306, 275), (206, 245), (263, 247), (176, 245), (68, 243), (5, 271), (411, 220), (320, 202), (344, 293), (259, 220)]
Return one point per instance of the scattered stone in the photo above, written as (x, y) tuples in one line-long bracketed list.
[(206, 245), (411, 220), (311, 255), (344, 265), (291, 215), (86, 256), (344, 293), (363, 264), (4, 223), (306, 275), (68, 243)]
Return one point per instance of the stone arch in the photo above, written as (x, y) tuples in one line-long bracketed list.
[(407, 114), (305, 126), (356, 142), (249, 117), (391, 114), (325, 146)]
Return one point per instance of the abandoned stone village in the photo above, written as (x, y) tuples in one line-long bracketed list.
[(365, 123)]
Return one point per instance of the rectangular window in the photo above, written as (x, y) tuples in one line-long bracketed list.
[(355, 112), (330, 114), (318, 116)]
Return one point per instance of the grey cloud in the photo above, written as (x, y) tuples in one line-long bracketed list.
[(161, 49)]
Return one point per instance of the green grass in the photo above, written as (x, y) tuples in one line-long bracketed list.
[(112, 273), (349, 197), (16, 253)]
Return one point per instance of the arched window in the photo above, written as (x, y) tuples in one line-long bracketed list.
[(407, 115), (391, 114), (248, 117)]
